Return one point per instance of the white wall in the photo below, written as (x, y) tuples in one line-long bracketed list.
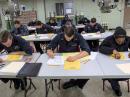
[(87, 7), (91, 9)]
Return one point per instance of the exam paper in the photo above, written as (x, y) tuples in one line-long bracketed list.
[(12, 68), (56, 61), (124, 67)]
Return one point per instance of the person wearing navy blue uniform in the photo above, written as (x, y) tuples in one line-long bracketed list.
[(32, 24), (62, 27), (42, 29), (19, 29), (114, 44), (15, 45), (70, 41), (83, 21), (93, 27), (66, 18), (52, 22)]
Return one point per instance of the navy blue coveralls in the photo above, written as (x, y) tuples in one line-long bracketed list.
[(73, 45)]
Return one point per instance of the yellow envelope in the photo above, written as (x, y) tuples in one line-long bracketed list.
[(66, 55), (122, 56), (14, 57), (72, 65)]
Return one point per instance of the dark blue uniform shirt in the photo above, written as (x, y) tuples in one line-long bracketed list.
[(109, 44), (21, 31), (18, 44), (74, 45), (93, 29), (45, 29)]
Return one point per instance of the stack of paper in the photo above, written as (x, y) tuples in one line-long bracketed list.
[(13, 68), (56, 61), (124, 67)]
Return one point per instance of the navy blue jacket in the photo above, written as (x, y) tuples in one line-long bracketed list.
[(109, 44), (45, 29), (74, 45), (93, 29), (18, 44), (21, 31)]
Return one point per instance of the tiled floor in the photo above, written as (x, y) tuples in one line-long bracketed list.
[(92, 89)]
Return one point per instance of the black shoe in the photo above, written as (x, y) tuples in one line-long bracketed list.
[(16, 85), (22, 84), (118, 92), (68, 85)]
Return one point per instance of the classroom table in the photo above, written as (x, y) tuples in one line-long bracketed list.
[(30, 28), (88, 70), (102, 67), (110, 65), (35, 57), (49, 37), (39, 37)]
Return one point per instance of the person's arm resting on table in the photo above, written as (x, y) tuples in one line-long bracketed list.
[(85, 51), (51, 47)]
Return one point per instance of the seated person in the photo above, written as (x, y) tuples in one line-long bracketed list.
[(70, 41), (32, 24), (66, 17), (114, 44), (43, 28), (16, 45), (68, 22), (19, 29), (93, 27), (52, 22), (83, 21)]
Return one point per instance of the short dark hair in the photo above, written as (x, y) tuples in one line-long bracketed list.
[(120, 32), (69, 32), (5, 35), (93, 20), (38, 23), (16, 22), (69, 20)]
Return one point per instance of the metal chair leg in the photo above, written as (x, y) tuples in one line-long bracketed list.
[(128, 85), (59, 84), (103, 85)]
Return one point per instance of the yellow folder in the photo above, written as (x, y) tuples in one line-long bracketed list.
[(66, 55), (14, 57), (72, 65)]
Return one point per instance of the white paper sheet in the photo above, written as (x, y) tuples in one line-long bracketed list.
[(124, 67), (13, 68), (56, 61), (93, 56)]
